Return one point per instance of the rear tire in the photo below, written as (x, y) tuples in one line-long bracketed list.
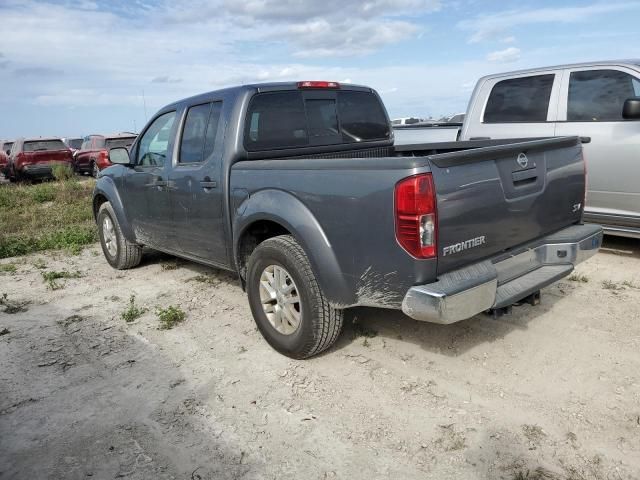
[(119, 252), (318, 324), (94, 169)]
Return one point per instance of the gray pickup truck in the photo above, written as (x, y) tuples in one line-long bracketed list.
[(299, 189)]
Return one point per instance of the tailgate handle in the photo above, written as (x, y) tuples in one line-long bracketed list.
[(524, 177)]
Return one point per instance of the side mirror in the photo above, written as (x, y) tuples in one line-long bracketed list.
[(119, 156), (631, 109)]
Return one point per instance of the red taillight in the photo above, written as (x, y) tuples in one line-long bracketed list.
[(416, 221), (318, 84)]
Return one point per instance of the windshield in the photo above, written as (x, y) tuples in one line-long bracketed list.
[(119, 142), (7, 146), (42, 145)]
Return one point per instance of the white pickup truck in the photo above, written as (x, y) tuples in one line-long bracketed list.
[(597, 101)]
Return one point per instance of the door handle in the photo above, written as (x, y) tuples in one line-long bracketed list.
[(157, 182), (207, 183)]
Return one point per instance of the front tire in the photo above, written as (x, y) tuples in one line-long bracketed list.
[(119, 252), (287, 304)]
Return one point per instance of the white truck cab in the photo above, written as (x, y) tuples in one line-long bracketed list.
[(584, 99)]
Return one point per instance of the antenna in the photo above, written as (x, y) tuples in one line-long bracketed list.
[(144, 104)]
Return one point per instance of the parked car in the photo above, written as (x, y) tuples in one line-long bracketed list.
[(599, 101), (406, 121), (93, 155), (73, 143), (299, 189), (34, 158), (5, 149)]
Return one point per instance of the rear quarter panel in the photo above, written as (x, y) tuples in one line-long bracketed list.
[(351, 202)]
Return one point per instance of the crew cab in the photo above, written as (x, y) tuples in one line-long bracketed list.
[(599, 101), (299, 189), (34, 158), (93, 155)]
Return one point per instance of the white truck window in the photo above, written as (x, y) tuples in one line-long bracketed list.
[(599, 95), (524, 99)]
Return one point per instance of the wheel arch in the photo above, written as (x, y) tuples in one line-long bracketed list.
[(106, 191), (270, 213)]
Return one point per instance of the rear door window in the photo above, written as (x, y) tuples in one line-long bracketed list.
[(199, 133), (599, 95), (524, 99), (297, 119)]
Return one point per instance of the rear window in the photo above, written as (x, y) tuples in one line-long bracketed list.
[(122, 142), (7, 146), (523, 99), (42, 145), (298, 119), (75, 143)]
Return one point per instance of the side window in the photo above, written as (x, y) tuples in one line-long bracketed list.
[(199, 133), (154, 144), (86, 143), (524, 99), (599, 95)]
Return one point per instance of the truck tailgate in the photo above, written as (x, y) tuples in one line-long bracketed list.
[(492, 199)]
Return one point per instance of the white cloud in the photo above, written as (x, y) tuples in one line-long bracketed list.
[(487, 27), (511, 54)]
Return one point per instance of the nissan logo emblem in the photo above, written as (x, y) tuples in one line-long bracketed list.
[(522, 160)]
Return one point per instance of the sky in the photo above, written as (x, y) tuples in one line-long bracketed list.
[(72, 68)]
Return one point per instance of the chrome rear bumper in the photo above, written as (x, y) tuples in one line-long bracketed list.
[(503, 280)]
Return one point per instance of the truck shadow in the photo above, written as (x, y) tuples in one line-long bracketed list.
[(622, 246), (450, 340)]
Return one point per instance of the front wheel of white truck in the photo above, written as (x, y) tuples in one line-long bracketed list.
[(286, 301)]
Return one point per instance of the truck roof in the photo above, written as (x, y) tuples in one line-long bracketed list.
[(604, 63), (260, 87)]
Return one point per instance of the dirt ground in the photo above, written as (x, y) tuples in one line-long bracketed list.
[(549, 392)]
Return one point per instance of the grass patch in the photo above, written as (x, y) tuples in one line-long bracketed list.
[(62, 172), (132, 312), (171, 265), (629, 284), (169, 317), (10, 268), (51, 278), (46, 216), (576, 277)]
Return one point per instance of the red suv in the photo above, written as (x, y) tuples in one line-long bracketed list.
[(93, 155), (34, 158)]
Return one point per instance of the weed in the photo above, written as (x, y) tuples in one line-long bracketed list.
[(39, 263), (613, 286), (360, 330), (132, 312), (8, 268), (11, 306), (173, 265), (630, 284), (62, 172), (169, 317), (208, 279), (533, 433), (45, 192), (51, 278), (576, 277)]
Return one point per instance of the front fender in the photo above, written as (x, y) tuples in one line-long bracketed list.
[(106, 188), (289, 212)]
